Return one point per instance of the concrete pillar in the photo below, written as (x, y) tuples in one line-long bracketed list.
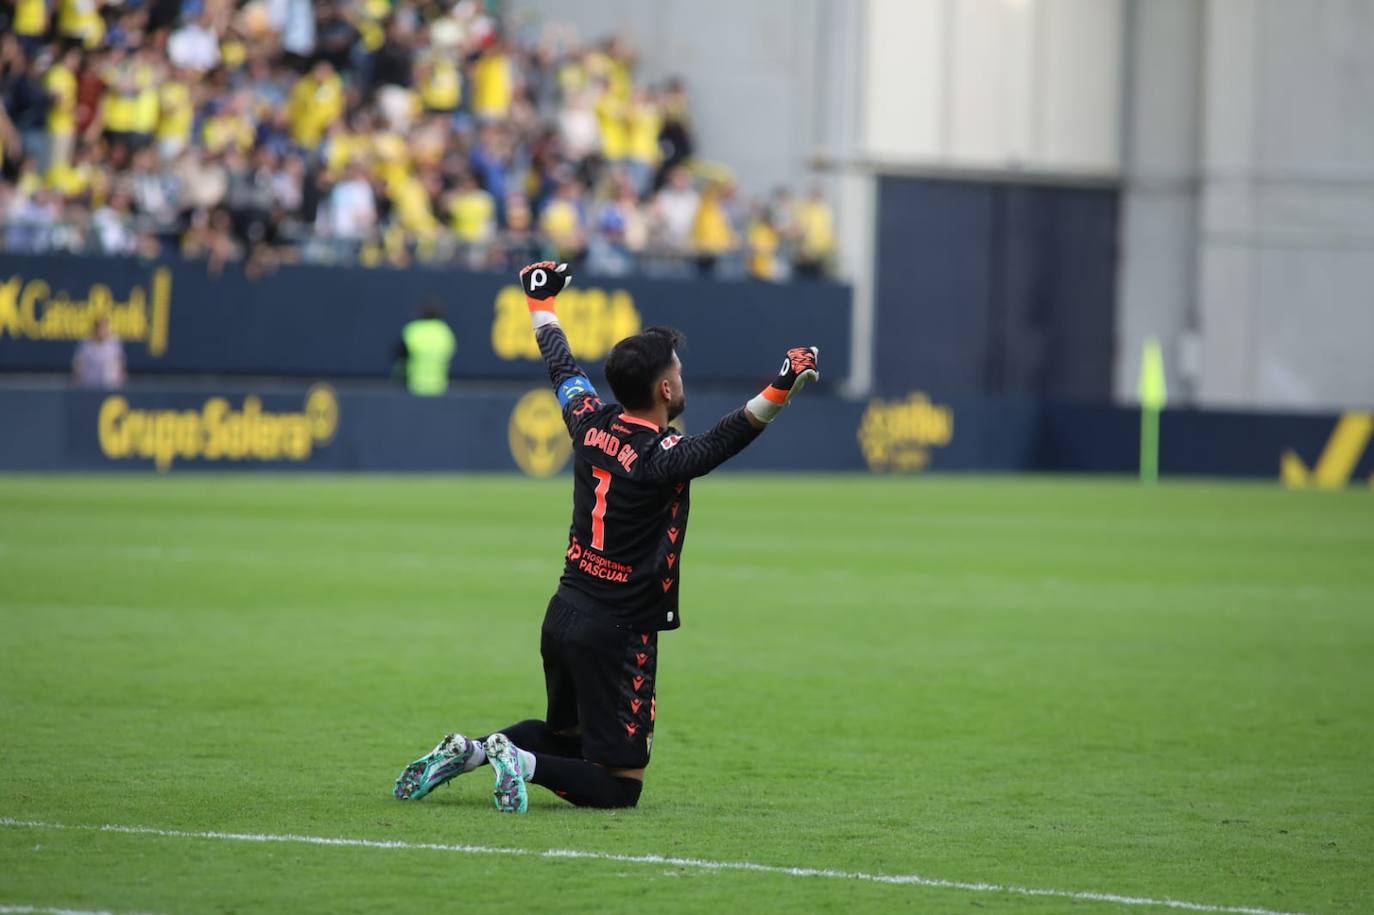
[(1161, 144)]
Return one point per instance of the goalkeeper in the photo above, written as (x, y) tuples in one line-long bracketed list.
[(631, 497)]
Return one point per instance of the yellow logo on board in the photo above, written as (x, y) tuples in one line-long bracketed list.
[(593, 320), (538, 438), (1338, 459), (218, 432), (898, 434), (29, 308)]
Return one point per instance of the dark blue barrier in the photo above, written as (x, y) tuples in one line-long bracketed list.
[(995, 289), (320, 427), (344, 322), (1104, 439)]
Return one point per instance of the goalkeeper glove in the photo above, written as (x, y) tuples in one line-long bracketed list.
[(797, 369), (542, 282)]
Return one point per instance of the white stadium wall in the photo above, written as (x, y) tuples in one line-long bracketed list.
[(1248, 218), (993, 84), (1286, 284)]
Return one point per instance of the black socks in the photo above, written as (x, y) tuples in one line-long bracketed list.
[(559, 766), (585, 784), (534, 735)]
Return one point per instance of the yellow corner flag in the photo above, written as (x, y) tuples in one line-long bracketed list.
[(1153, 396), (1153, 393)]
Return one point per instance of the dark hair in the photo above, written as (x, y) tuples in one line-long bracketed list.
[(637, 363), (431, 310)]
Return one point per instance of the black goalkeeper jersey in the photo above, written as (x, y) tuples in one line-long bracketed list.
[(631, 498)]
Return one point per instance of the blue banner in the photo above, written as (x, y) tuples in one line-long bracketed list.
[(345, 322), (520, 429), (325, 427)]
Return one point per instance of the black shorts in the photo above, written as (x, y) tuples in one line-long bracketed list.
[(600, 679)]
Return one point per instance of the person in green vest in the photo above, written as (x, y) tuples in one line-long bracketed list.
[(425, 350)]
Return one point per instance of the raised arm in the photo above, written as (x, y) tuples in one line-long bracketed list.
[(680, 458), (542, 282)]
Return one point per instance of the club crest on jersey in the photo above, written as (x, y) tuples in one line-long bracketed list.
[(669, 441)]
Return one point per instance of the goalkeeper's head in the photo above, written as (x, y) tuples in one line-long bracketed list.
[(645, 371)]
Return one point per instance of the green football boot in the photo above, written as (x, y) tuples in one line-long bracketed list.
[(504, 756), (449, 759)]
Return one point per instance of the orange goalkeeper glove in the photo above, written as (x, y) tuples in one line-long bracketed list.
[(798, 368), (542, 282)]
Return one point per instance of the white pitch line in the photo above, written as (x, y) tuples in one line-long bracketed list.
[(51, 910), (691, 863)]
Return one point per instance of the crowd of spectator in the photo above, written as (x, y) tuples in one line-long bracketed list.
[(372, 131)]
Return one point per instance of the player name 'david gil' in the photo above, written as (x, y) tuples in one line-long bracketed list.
[(597, 438), (216, 431)]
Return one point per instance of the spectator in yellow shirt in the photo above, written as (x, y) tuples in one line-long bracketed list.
[(389, 151), (644, 123), (60, 83), (232, 127), (410, 203), (176, 114), (127, 115), (70, 180), (343, 144), (472, 212), (493, 83), (146, 101), (611, 114), (317, 101), (764, 243), (712, 233), (815, 227), (79, 22), (30, 24), (440, 83), (563, 224)]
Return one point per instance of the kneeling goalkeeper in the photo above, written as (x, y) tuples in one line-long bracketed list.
[(631, 496)]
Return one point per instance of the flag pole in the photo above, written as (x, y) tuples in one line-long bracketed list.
[(1153, 397)]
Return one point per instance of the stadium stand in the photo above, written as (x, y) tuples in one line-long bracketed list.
[(364, 131)]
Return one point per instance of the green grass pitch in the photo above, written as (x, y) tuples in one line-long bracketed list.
[(1071, 685)]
